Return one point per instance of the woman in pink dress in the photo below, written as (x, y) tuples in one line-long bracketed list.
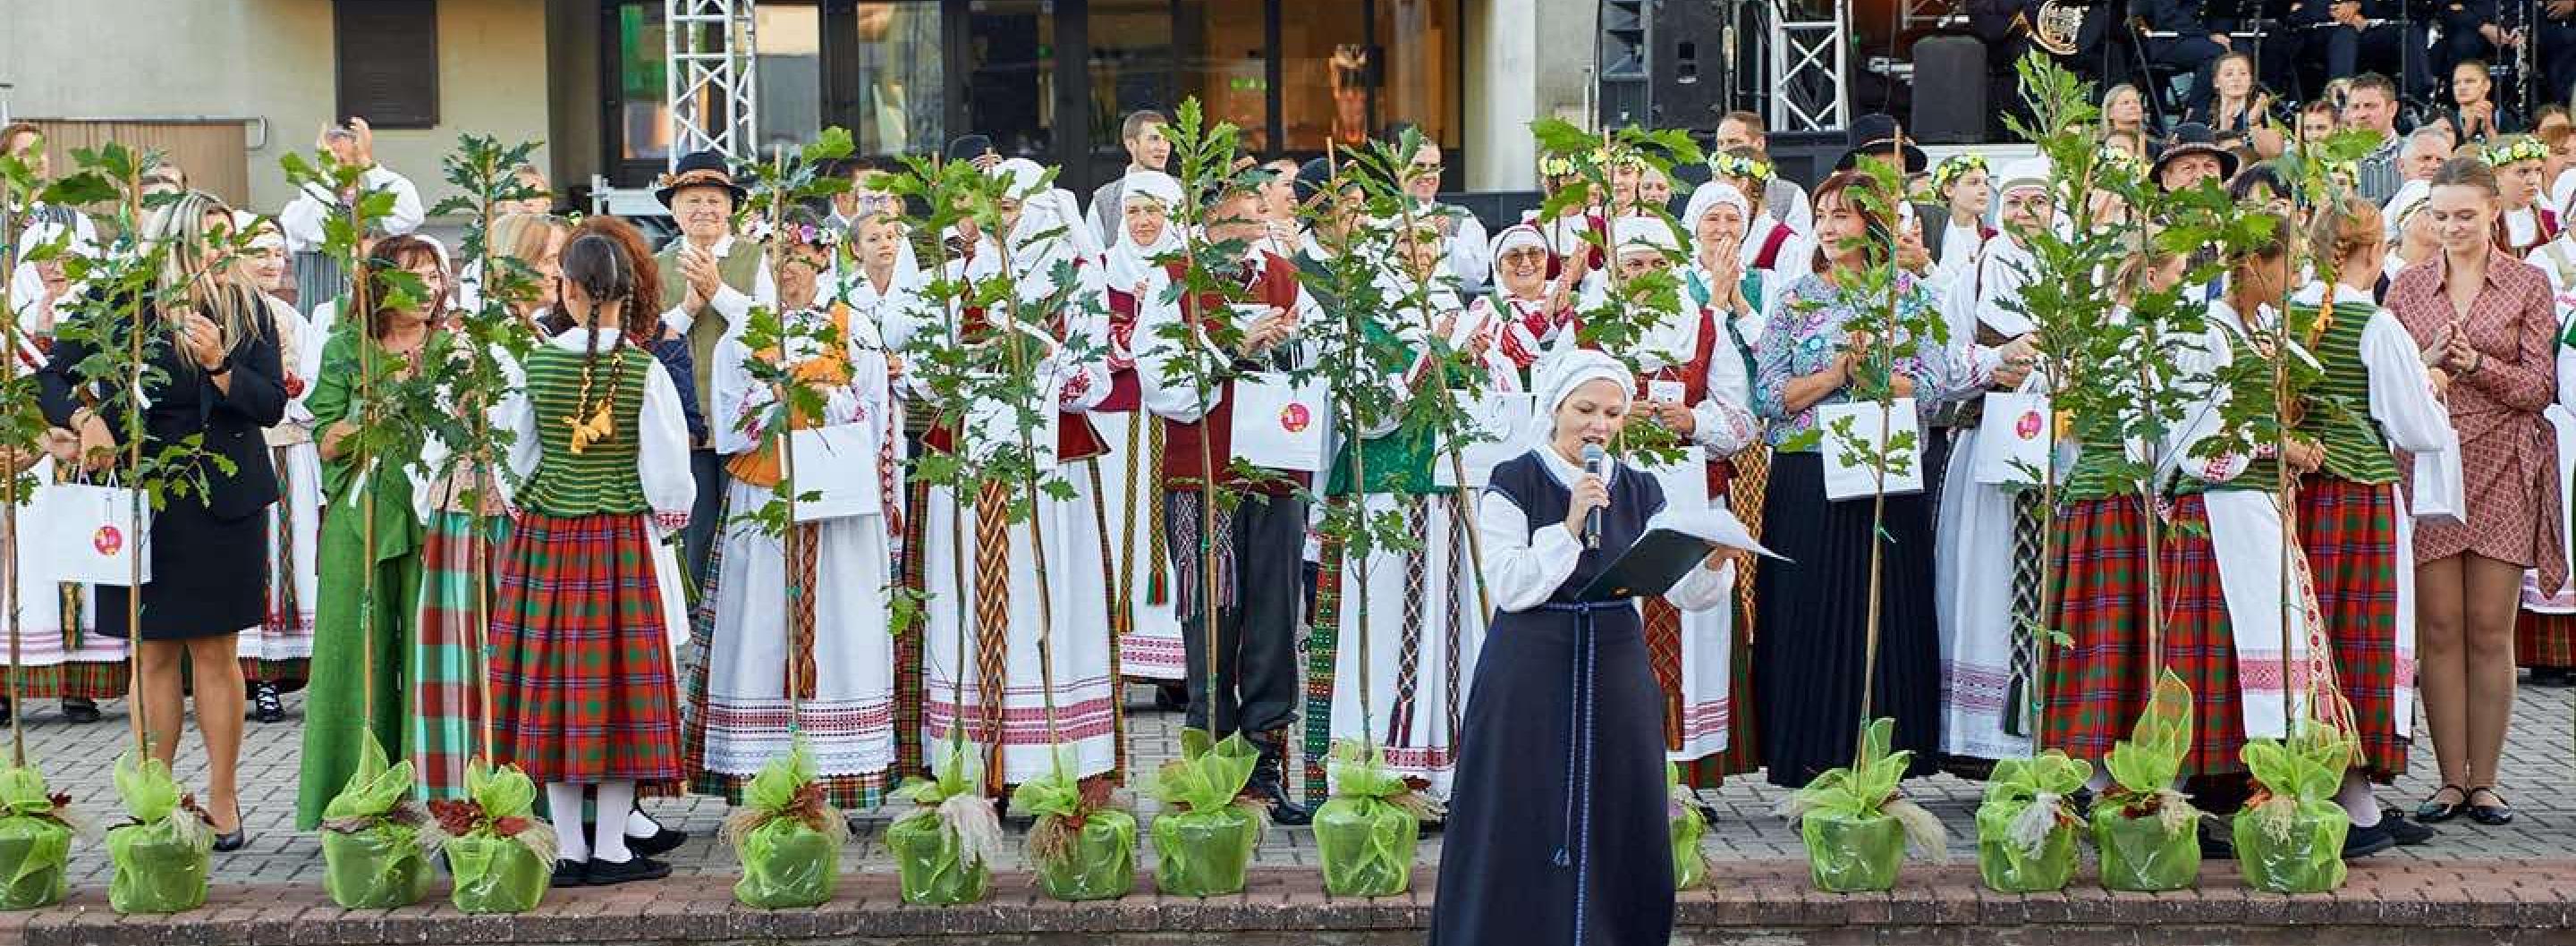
[(2485, 322)]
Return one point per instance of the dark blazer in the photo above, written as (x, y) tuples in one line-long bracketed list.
[(2174, 16), (186, 404), (1936, 224)]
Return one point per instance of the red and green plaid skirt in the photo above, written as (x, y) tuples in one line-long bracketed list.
[(2200, 642), (581, 681), (2349, 531), (78, 679), (2097, 684), (2544, 641)]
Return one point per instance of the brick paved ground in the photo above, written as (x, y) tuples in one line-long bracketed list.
[(2470, 884)]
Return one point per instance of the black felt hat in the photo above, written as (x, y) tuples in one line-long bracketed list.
[(1875, 134), (2193, 138), (703, 169)]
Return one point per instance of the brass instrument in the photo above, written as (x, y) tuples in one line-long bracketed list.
[(2059, 25)]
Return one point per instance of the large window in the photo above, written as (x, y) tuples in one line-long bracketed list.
[(643, 111), (896, 94), (1010, 86), (1420, 41), (790, 74), (1324, 72), (1131, 68), (1224, 62), (387, 52)]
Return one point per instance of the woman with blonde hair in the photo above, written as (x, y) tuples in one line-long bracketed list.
[(212, 377)]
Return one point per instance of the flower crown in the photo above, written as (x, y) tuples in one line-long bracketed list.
[(1566, 165), (1955, 167), (2516, 149), (1730, 165), (802, 234)]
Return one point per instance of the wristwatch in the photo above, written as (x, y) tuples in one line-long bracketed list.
[(221, 368)]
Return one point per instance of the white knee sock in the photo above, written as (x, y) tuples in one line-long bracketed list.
[(2357, 800), (638, 825), (609, 844), (563, 800)]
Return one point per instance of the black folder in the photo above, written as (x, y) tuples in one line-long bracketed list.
[(1651, 567)]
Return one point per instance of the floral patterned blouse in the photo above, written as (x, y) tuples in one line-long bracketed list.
[(1806, 332)]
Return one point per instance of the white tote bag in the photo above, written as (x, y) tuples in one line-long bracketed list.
[(1850, 463), (2014, 437), (76, 533), (1279, 425), (837, 463), (1501, 424)]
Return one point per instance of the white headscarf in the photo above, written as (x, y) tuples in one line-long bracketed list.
[(1629, 233), (1043, 209), (1517, 235), (1130, 263), (1565, 371), (1711, 195)]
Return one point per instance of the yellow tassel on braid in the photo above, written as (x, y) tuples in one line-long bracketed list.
[(590, 424)]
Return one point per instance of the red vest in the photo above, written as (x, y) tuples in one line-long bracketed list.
[(1276, 286), (1125, 392), (1075, 439), (1694, 379)]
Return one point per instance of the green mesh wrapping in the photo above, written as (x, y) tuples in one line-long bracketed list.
[(787, 864), (1204, 853), (161, 859), (931, 862), (375, 868), (2140, 854), (496, 874), (2026, 826), (34, 842), (1852, 855), (1099, 865)]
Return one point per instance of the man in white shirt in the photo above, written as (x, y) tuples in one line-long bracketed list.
[(1468, 243), (318, 278), (1147, 150), (1782, 198)]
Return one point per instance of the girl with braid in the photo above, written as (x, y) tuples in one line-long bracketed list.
[(582, 687)]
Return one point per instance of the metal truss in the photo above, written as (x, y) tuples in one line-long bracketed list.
[(1809, 67), (712, 77)]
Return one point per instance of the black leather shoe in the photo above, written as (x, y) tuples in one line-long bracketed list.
[(663, 840), (2552, 676), (5, 712), (228, 843), (80, 709), (265, 704), (2407, 833), (571, 874), (2435, 811), (2493, 816), (611, 873), (1171, 697), (2363, 842)]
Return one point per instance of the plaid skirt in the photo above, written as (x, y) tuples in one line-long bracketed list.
[(581, 669), (2349, 531), (2097, 683), (2544, 641), (2200, 643), (446, 663)]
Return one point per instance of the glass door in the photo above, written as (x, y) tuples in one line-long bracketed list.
[(888, 75), (1010, 77)]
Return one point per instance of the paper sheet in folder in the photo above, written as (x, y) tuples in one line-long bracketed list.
[(1651, 567)]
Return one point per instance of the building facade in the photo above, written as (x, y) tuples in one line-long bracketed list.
[(228, 86)]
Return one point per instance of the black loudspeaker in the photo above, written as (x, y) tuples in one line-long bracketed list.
[(1689, 65), (1949, 90)]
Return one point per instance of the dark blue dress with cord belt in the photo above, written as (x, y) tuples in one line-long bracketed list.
[(1557, 829)]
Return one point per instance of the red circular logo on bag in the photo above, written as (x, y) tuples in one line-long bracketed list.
[(1295, 417), (108, 540), (2028, 426)]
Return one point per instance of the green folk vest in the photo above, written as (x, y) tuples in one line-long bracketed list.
[(2338, 404), (603, 478), (740, 269)]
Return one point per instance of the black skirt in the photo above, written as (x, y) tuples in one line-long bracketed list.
[(209, 576), (1540, 848), (1815, 614)]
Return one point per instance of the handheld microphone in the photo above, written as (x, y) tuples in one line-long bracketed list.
[(1595, 463)]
